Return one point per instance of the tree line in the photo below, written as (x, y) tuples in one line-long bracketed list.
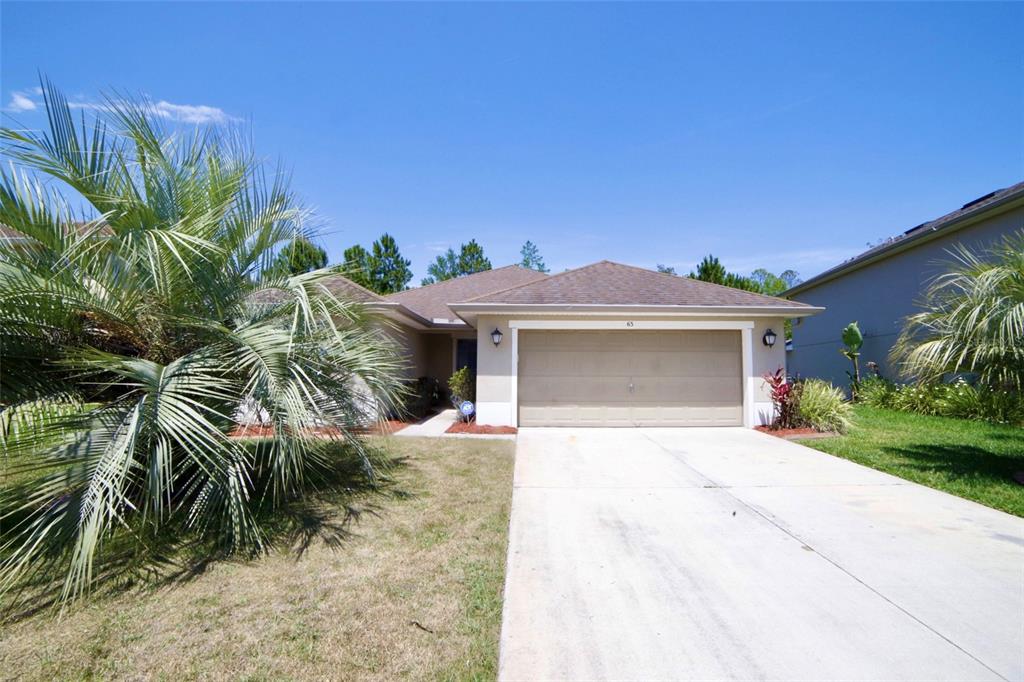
[(384, 270)]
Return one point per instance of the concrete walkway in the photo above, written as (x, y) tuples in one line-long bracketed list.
[(437, 426), (657, 554)]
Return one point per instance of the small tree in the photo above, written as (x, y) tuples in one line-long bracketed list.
[(382, 270), (298, 256), (531, 257), (472, 259), (771, 284), (711, 270), (853, 340), (462, 385), (389, 272), (357, 266), (449, 265), (666, 269)]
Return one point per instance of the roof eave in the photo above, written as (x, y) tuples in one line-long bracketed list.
[(1007, 203), (399, 313), (470, 311)]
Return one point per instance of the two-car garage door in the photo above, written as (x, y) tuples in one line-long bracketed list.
[(630, 378)]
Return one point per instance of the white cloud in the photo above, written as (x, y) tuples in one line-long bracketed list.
[(27, 100), (191, 113), (181, 113), (22, 101)]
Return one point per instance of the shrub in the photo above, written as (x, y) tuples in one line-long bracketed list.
[(876, 392), (823, 407), (956, 399), (462, 384), (421, 396), (785, 395), (970, 320), (161, 318)]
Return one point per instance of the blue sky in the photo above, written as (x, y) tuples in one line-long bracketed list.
[(774, 135)]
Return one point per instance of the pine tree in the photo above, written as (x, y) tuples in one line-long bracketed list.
[(389, 272), (299, 256), (531, 257), (357, 266), (450, 265)]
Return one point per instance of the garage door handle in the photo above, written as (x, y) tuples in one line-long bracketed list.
[(631, 387)]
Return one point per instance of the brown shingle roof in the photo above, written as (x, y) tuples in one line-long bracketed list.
[(608, 283), (432, 301), (342, 287), (347, 290)]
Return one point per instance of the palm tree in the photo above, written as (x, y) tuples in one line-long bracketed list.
[(972, 319), (141, 324)]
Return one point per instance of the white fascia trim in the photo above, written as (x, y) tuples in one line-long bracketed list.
[(632, 324), (632, 309)]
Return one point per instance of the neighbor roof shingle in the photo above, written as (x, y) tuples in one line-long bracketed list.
[(608, 283), (432, 301), (950, 220)]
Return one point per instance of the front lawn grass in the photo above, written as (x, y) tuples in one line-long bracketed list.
[(408, 586), (972, 459)]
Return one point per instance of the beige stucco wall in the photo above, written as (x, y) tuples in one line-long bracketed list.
[(496, 366), (428, 353), (879, 297)]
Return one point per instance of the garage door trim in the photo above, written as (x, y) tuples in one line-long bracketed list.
[(745, 327)]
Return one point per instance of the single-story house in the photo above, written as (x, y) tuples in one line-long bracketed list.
[(881, 287), (601, 345)]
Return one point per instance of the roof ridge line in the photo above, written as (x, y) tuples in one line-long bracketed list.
[(701, 281), (526, 284), (452, 279), (357, 285)]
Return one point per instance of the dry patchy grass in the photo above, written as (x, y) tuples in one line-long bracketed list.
[(411, 590)]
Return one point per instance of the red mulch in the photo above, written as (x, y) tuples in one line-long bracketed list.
[(790, 434), (378, 429), (473, 427), (387, 426)]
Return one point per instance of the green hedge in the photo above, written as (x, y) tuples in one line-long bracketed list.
[(956, 399)]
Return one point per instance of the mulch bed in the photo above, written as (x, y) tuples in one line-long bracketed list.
[(473, 427), (378, 429), (795, 434)]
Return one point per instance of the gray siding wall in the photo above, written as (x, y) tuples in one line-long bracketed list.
[(879, 296)]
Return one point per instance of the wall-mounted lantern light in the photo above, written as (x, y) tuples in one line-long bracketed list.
[(769, 338), (496, 336)]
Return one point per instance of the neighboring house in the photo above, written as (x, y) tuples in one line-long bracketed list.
[(601, 345), (882, 286)]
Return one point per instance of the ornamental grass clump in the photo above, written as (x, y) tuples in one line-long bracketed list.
[(823, 407), (141, 325), (972, 320)]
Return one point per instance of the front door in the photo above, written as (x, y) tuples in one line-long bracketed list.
[(465, 354)]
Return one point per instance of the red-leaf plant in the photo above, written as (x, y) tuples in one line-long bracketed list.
[(784, 399)]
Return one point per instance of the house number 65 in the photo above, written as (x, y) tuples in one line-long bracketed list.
[(629, 324)]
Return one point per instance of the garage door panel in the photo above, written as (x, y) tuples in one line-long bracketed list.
[(674, 415), (688, 390), (554, 390), (690, 364), (564, 363), (630, 378)]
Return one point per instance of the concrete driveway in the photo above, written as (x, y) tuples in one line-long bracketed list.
[(652, 554)]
